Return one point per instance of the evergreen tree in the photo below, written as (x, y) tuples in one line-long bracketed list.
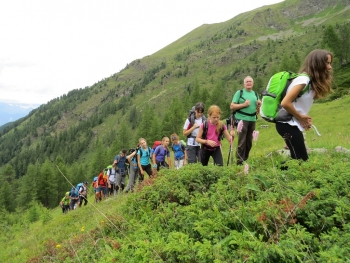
[(157, 131), (144, 129), (331, 41), (8, 173), (98, 160), (123, 136), (6, 197), (47, 185), (195, 94), (173, 119), (205, 98), (219, 98), (80, 173), (27, 188), (344, 35), (62, 178), (134, 117)]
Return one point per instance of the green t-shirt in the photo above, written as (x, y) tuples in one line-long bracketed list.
[(246, 95), (65, 201)]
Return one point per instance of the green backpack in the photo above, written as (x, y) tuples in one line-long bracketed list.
[(274, 93)]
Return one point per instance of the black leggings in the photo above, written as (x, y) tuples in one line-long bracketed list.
[(294, 139), (215, 152), (146, 168)]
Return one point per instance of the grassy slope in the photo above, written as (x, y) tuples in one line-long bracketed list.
[(34, 239)]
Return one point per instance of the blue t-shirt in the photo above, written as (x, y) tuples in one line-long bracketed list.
[(146, 154), (134, 163), (121, 166), (160, 153)]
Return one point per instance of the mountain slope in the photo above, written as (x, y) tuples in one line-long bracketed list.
[(156, 92)]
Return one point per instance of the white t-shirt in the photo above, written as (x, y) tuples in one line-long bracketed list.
[(111, 174), (82, 190), (192, 140), (304, 103)]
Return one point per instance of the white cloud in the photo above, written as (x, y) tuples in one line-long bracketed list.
[(51, 47)]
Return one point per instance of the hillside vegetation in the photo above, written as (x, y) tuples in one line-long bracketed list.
[(79, 133), (208, 214)]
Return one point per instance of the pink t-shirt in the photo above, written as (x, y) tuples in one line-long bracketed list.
[(211, 135)]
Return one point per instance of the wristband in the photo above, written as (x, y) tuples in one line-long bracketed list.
[(154, 166)]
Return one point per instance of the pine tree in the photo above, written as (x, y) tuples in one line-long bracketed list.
[(98, 160), (144, 129), (218, 96), (173, 119), (62, 178), (47, 185), (6, 197), (27, 188)]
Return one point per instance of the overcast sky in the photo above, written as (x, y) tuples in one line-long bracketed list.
[(49, 47)]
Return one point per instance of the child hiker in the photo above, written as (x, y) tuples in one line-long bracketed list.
[(180, 153), (209, 135), (160, 154)]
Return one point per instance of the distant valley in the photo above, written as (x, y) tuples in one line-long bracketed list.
[(12, 112)]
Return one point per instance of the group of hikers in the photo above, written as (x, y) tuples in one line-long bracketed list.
[(75, 197), (204, 134)]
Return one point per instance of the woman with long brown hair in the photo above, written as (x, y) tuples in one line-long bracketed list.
[(315, 84)]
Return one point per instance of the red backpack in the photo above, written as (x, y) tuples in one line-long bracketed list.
[(156, 144)]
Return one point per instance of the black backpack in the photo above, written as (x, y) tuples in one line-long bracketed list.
[(233, 116), (149, 152), (192, 117)]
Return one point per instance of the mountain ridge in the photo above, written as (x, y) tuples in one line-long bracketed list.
[(207, 64)]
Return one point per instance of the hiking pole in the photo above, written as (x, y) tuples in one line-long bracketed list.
[(230, 150), (233, 137)]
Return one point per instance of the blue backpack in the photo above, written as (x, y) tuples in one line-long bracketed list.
[(179, 150), (77, 188), (73, 192)]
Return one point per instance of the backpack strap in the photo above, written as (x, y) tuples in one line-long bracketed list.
[(205, 131), (182, 147), (289, 81), (242, 112)]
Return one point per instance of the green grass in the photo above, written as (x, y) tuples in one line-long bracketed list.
[(87, 232)]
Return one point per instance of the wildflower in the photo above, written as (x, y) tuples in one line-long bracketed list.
[(82, 229), (255, 135), (240, 126), (246, 168), (58, 246)]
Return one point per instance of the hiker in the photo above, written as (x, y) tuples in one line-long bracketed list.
[(245, 104), (160, 154), (102, 186), (74, 198), (111, 175), (83, 194), (94, 184), (190, 130), (318, 67), (180, 153), (120, 164), (134, 170), (209, 135), (143, 159), (65, 203)]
